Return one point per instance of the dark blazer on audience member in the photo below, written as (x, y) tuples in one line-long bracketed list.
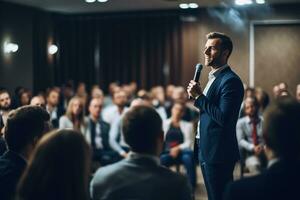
[(138, 178), (11, 168), (280, 181), (218, 116)]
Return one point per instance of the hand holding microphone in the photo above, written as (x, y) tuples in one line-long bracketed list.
[(194, 89)]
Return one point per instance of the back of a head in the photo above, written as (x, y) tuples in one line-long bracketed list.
[(24, 126), (281, 128), (142, 126), (58, 169)]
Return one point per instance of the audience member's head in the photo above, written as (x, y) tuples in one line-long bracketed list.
[(95, 108), (58, 168), (276, 91), (25, 126), (52, 97), (251, 107), (262, 98), (96, 92), (5, 100), (177, 111), (142, 130), (169, 91), (249, 92), (120, 98), (179, 95), (283, 86), (281, 129), (24, 97), (38, 101), (158, 93), (75, 109), (298, 92)]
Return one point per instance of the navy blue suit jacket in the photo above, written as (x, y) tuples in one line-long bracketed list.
[(218, 116)]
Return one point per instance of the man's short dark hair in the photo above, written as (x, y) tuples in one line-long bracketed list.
[(226, 43), (24, 125), (281, 128), (141, 127)]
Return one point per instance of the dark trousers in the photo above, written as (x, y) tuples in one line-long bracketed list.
[(216, 177)]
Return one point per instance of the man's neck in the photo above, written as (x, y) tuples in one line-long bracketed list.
[(215, 68)]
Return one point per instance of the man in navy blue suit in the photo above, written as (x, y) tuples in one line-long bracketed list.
[(219, 105)]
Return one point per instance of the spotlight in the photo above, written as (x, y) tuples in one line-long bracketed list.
[(193, 5), (243, 2), (90, 1), (102, 1), (260, 1), (10, 47), (52, 49)]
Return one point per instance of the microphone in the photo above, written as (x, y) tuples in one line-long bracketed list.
[(197, 74)]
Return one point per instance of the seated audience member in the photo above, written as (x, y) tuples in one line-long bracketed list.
[(178, 143), (283, 86), (25, 126), (58, 168), (282, 136), (112, 88), (52, 107), (276, 91), (140, 176), (81, 92), (115, 111), (158, 101), (262, 99), (98, 134), (67, 92), (38, 101), (298, 93), (249, 135), (74, 117), (5, 107), (23, 98), (249, 92)]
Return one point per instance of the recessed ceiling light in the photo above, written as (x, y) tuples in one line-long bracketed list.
[(260, 1), (102, 1), (193, 5), (243, 2), (184, 6), (90, 1)]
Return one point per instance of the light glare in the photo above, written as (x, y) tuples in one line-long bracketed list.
[(90, 1), (243, 2), (10, 47), (193, 5), (260, 1), (52, 49), (184, 6)]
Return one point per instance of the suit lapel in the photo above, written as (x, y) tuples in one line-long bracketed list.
[(213, 88)]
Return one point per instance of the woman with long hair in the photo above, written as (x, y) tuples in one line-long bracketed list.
[(74, 117), (58, 169)]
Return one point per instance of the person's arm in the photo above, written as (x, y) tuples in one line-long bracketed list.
[(241, 135), (231, 95), (187, 130), (113, 136)]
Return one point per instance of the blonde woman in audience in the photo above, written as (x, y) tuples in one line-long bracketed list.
[(74, 117), (58, 168)]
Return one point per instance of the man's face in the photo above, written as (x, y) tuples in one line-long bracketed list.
[(213, 53), (95, 107), (120, 98), (5, 101), (53, 98), (250, 109)]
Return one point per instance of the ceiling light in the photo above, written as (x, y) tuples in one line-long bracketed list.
[(90, 1), (260, 1), (52, 49), (184, 6), (10, 47), (243, 2), (193, 5), (102, 1)]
